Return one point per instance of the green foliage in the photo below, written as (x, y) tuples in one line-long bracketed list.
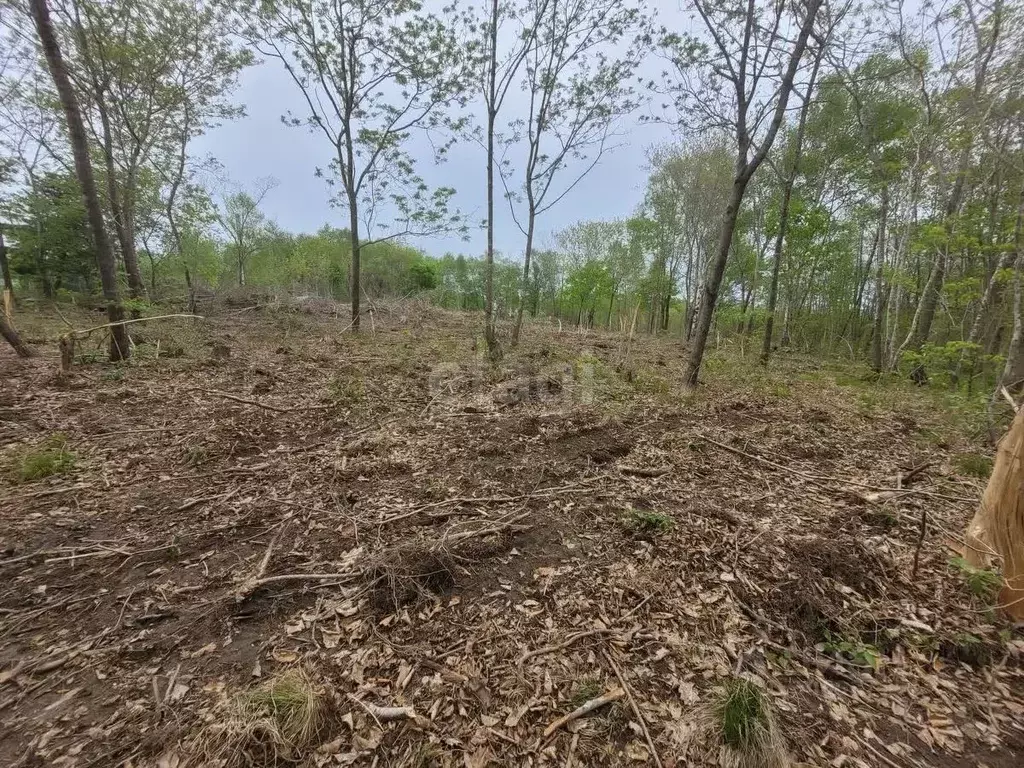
[(588, 688), (743, 718), (647, 522), (52, 247), (974, 465), (983, 583), (423, 274), (345, 391), (859, 653), (196, 455), (52, 457)]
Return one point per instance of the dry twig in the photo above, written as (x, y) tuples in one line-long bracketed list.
[(585, 709), (636, 709)]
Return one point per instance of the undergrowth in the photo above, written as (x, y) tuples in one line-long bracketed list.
[(647, 522), (974, 465), (743, 724), (984, 583), (53, 457)]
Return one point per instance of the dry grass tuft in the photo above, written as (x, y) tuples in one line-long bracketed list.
[(266, 726), (740, 724)]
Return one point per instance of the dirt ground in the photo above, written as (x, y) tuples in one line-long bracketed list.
[(259, 492)]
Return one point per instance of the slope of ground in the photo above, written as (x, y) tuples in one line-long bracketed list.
[(258, 494)]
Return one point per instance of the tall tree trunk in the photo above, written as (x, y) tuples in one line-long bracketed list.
[(530, 228), (881, 297), (992, 286), (780, 238), (8, 332), (709, 293), (490, 336), (5, 268), (745, 169), (119, 341), (118, 206)]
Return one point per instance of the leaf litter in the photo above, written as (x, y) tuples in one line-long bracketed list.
[(447, 570)]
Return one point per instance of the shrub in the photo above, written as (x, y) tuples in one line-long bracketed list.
[(344, 391)]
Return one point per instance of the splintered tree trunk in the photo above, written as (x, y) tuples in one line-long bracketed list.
[(13, 338), (119, 341), (997, 530)]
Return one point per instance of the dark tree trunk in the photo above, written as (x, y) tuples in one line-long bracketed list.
[(119, 341), (8, 332), (713, 283), (526, 270), (5, 268), (773, 285)]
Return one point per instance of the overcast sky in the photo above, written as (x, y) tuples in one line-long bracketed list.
[(260, 145)]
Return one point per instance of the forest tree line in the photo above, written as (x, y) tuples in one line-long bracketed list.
[(847, 179)]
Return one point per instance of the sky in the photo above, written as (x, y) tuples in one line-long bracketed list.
[(261, 145)]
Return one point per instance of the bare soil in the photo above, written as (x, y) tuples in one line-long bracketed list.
[(470, 516)]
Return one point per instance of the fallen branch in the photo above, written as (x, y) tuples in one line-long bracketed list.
[(498, 528), (87, 331), (226, 396), (586, 709), (50, 492), (645, 471), (388, 714), (831, 483), (635, 708), (341, 577), (247, 587), (563, 645)]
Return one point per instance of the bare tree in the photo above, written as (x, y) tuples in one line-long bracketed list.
[(119, 342), (975, 39), (740, 77)]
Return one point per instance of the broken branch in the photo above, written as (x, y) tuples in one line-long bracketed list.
[(586, 709)]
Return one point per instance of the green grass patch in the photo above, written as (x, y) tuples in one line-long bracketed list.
[(290, 703), (647, 522), (53, 457), (588, 688), (743, 721), (345, 391), (974, 465)]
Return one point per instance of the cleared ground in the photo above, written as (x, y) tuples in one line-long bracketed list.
[(258, 494)]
